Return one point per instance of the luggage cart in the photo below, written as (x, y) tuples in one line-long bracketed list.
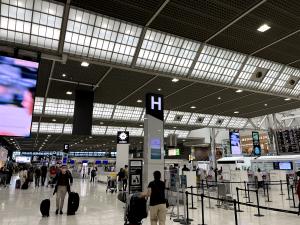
[(111, 185)]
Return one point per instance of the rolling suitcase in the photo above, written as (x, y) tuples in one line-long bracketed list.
[(73, 203), (18, 184), (45, 207), (25, 185)]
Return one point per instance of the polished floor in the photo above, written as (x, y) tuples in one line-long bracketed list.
[(19, 207)]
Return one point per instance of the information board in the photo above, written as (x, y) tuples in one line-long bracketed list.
[(135, 174)]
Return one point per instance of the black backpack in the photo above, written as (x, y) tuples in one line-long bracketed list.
[(137, 209)]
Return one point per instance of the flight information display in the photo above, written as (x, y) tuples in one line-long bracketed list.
[(288, 140), (18, 79)]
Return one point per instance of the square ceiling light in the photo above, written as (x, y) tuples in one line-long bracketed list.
[(166, 53), (218, 65), (101, 37), (35, 23)]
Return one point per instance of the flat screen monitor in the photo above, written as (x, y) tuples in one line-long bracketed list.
[(285, 166), (23, 159), (235, 144), (18, 79), (174, 152)]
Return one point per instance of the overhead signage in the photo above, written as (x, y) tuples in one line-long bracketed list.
[(155, 105), (235, 143), (256, 143), (123, 137), (71, 154), (135, 174), (66, 148)]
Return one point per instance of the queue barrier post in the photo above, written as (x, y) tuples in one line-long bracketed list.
[(288, 191), (245, 187), (238, 200), (202, 210), (281, 189), (268, 196), (235, 212), (293, 197), (249, 199), (258, 209), (192, 198), (264, 188)]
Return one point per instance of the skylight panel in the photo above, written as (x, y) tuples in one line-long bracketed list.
[(102, 111), (217, 64), (114, 130), (177, 117), (127, 113), (98, 130), (59, 107), (101, 37), (133, 131), (167, 53), (245, 77), (35, 23)]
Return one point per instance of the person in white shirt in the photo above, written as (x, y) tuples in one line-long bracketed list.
[(259, 179)]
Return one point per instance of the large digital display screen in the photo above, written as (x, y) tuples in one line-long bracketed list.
[(174, 152), (18, 79), (235, 144), (23, 159), (256, 143), (283, 165)]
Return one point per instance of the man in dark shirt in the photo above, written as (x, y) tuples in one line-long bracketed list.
[(44, 174), (37, 175), (156, 192), (63, 180), (185, 168)]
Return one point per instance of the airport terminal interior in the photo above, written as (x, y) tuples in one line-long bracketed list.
[(155, 112)]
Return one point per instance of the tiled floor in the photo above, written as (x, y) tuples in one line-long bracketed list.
[(19, 207)]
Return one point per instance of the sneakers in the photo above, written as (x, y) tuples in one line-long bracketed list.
[(60, 212)]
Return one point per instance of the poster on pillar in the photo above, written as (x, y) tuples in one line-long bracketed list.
[(135, 173), (123, 137)]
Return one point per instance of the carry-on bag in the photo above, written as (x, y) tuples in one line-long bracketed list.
[(45, 207), (73, 203)]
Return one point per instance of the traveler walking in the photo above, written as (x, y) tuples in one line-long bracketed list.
[(63, 181), (156, 192), (37, 176), (43, 174)]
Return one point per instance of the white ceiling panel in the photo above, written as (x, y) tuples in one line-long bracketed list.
[(167, 53), (127, 113), (244, 79), (31, 22), (217, 64), (101, 37)]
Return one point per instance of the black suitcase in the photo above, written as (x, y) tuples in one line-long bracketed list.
[(18, 184), (45, 207), (73, 203), (25, 185)]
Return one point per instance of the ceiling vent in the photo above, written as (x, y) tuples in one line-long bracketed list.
[(292, 82), (178, 118), (259, 74), (200, 119), (219, 122)]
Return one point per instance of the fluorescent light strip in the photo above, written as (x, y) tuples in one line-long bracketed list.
[(101, 37), (167, 53), (217, 64)]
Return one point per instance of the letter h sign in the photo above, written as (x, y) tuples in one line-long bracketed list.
[(155, 105)]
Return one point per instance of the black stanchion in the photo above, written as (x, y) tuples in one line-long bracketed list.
[(268, 196), (258, 210), (264, 188), (238, 200), (249, 200), (192, 198), (235, 212), (202, 209), (281, 190), (202, 186), (293, 197), (288, 191), (245, 187), (187, 220)]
